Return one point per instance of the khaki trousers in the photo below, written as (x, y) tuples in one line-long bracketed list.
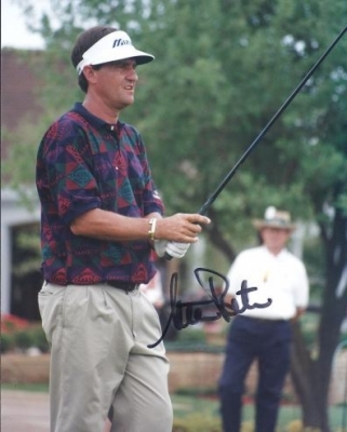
[(99, 359)]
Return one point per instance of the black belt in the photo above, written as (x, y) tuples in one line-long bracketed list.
[(263, 320), (125, 286)]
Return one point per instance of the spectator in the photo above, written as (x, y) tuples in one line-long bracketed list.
[(263, 333)]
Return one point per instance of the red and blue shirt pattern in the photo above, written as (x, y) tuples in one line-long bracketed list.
[(84, 163)]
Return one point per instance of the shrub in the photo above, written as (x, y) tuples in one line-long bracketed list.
[(7, 343), (19, 333), (39, 339), (24, 339), (11, 324), (191, 334)]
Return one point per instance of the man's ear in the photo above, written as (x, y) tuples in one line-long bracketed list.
[(89, 74)]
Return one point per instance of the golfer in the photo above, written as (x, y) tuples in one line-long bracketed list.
[(101, 220)]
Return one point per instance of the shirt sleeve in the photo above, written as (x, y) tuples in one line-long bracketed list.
[(69, 177), (301, 287), (151, 198)]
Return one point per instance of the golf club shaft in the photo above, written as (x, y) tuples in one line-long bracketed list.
[(203, 210)]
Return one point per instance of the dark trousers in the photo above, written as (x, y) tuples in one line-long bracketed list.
[(269, 343)]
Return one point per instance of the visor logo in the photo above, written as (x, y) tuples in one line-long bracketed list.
[(120, 42)]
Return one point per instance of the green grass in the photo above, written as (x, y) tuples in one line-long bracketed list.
[(25, 387), (187, 405)]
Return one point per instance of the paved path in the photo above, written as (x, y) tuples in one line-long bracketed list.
[(24, 411)]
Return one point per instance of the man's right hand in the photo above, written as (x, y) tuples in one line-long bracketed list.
[(180, 228)]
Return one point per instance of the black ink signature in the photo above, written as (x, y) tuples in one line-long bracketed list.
[(184, 314)]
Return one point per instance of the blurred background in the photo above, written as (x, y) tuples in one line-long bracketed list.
[(222, 70)]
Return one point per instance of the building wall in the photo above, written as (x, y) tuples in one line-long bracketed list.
[(13, 213), (19, 102)]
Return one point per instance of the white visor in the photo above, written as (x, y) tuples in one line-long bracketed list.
[(112, 47)]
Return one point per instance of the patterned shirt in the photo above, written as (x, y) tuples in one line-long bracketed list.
[(84, 163)]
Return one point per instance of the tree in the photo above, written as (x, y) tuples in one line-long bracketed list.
[(223, 68)]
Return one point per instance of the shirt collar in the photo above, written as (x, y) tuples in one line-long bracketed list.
[(96, 122), (282, 253)]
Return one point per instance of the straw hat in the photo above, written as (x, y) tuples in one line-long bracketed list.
[(274, 218)]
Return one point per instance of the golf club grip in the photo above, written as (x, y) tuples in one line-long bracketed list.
[(168, 256)]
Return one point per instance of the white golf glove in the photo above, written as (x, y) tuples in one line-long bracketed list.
[(160, 247), (177, 250)]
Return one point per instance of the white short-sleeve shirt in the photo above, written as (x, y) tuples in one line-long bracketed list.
[(281, 278)]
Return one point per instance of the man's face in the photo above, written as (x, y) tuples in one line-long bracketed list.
[(115, 83), (275, 239)]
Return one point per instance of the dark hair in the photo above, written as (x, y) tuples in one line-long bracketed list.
[(83, 42)]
